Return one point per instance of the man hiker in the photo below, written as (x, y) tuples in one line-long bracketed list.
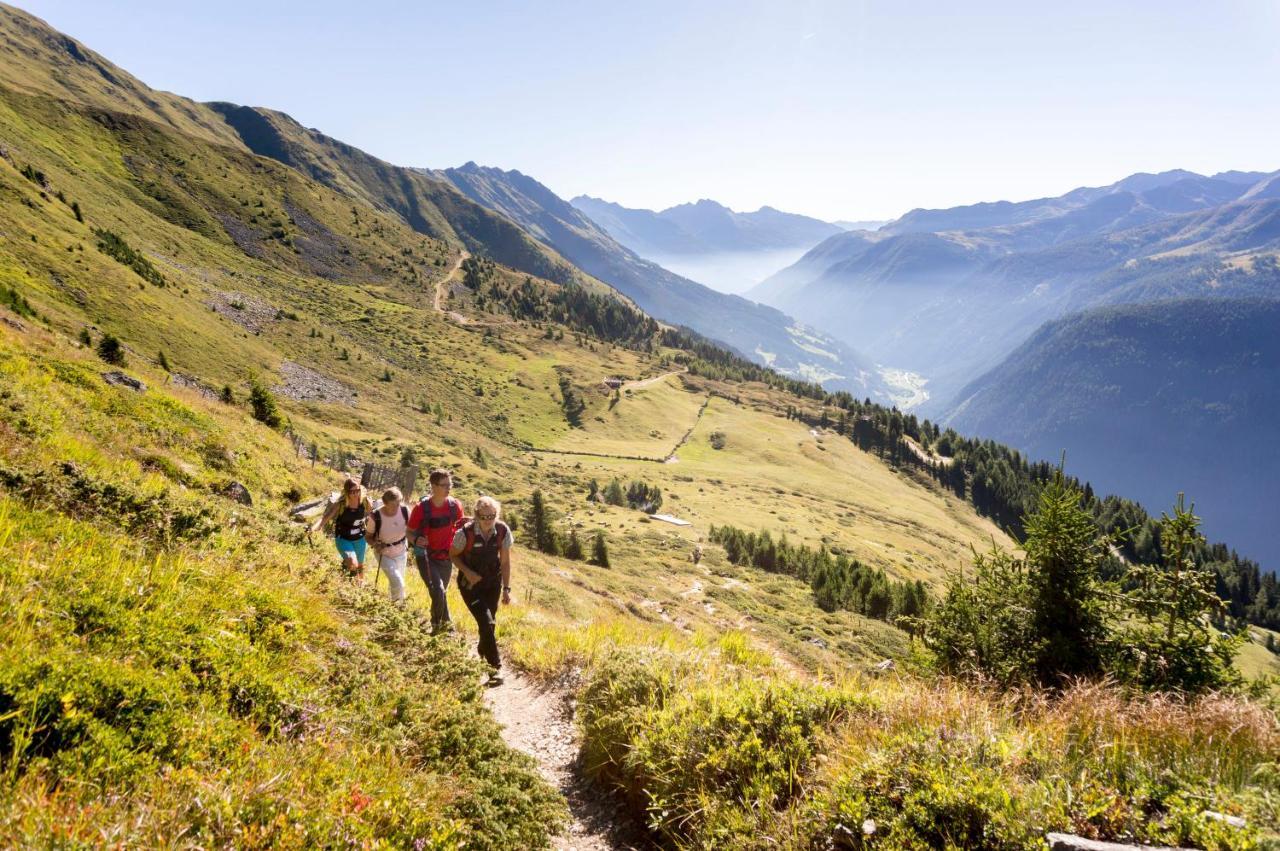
[(482, 553), (348, 517), (387, 530), (434, 522)]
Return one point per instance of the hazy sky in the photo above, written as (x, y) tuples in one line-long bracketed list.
[(836, 109)]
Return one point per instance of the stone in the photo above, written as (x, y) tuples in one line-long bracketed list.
[(238, 492), (119, 379), (1069, 842), (1232, 821)]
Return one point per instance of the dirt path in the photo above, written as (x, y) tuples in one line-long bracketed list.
[(538, 722), (440, 285), (645, 382)]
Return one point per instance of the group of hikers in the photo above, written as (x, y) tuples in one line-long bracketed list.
[(442, 538)]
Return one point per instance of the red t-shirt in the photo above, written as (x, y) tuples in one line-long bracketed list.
[(438, 523)]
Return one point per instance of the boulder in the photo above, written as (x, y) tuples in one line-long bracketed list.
[(238, 492), (119, 379), (1069, 842)]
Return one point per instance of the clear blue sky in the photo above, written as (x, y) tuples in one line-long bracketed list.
[(836, 109)]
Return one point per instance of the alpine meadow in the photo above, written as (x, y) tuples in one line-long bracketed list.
[(751, 596)]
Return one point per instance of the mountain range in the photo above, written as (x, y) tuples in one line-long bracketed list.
[(948, 293), (1151, 399), (708, 242)]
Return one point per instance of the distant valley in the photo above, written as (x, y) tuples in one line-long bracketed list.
[(709, 243)]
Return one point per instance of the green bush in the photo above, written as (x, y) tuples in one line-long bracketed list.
[(111, 350)]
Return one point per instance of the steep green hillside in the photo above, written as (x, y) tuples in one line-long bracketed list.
[(35, 58), (429, 206)]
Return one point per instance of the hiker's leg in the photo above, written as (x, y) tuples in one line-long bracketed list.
[(361, 547), (424, 570), (486, 609), (393, 567), (352, 555), (439, 571), (482, 603)]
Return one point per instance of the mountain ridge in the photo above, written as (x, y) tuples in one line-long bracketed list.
[(1126, 389)]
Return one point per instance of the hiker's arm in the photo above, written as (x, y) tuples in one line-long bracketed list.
[(470, 575), (329, 514), (415, 527), (506, 574)]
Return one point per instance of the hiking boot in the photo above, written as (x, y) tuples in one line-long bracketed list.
[(495, 678)]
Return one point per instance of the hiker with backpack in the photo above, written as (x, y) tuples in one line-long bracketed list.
[(348, 515), (387, 531), (482, 554), (434, 522)]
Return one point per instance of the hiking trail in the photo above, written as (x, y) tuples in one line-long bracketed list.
[(440, 285), (538, 721)]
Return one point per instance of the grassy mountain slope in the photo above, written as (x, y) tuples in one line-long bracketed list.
[(429, 206), (34, 58), (176, 664), (1152, 398)]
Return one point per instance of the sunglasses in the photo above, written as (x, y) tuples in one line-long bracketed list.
[(486, 516)]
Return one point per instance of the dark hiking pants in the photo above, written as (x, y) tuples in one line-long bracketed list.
[(483, 604), (435, 575)]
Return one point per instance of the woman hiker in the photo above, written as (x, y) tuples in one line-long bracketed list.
[(482, 553), (434, 521), (387, 530), (348, 515)]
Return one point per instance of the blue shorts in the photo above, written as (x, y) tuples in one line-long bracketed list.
[(355, 548)]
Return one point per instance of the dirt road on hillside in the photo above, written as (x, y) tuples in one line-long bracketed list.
[(440, 285), (645, 382), (538, 721)]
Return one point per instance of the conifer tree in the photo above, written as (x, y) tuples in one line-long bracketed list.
[(111, 350), (600, 551), (544, 537), (573, 546)]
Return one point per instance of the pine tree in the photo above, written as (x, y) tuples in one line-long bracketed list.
[(75, 208), (111, 350), (264, 405), (227, 395), (573, 547), (1064, 549), (544, 537), (600, 551), (613, 493), (85, 339), (163, 361)]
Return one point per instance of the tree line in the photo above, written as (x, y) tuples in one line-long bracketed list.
[(837, 581)]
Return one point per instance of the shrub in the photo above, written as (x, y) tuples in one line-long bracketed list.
[(114, 246), (16, 302), (111, 350), (600, 551), (718, 439), (263, 403)]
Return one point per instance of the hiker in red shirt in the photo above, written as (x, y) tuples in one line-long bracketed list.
[(433, 523)]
